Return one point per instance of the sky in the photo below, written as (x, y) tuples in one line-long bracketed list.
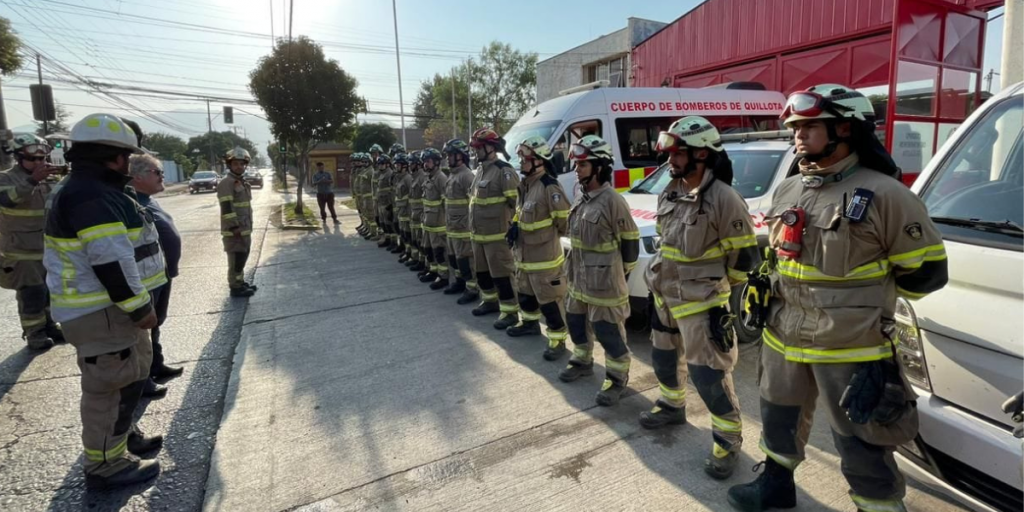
[(170, 45)]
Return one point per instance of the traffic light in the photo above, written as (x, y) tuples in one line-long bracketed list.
[(282, 147), (58, 144), (229, 115), (42, 102)]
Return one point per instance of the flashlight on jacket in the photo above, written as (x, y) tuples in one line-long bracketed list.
[(793, 221)]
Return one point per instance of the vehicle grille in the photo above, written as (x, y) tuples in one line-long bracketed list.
[(977, 484)]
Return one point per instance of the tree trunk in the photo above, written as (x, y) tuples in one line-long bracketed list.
[(301, 181)]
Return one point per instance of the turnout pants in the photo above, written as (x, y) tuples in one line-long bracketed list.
[(28, 279), (236, 268), (607, 324), (462, 250), (789, 392), (542, 294), (112, 384), (435, 244), (326, 200), (681, 347), (494, 266)]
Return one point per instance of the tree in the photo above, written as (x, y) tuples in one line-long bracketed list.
[(200, 146), (373, 133), (307, 97), (60, 125), (423, 108), (166, 146), (504, 83), (10, 59)]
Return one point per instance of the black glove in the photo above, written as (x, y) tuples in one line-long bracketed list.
[(720, 323), (875, 393), (512, 234)]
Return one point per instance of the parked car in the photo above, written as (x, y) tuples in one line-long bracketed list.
[(760, 163), (253, 178), (203, 180), (963, 346)]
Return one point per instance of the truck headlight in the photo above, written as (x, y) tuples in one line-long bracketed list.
[(910, 348), (651, 243)]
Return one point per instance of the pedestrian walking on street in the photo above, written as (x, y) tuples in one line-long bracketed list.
[(235, 197), (24, 190), (541, 220), (435, 239), (847, 238), (103, 255), (605, 248), (147, 180), (324, 192), (707, 247), (495, 191), (457, 193)]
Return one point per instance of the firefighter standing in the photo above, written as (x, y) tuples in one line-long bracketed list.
[(358, 180), (416, 262), (707, 246), (373, 173), (235, 197), (457, 196), (848, 239), (434, 237), (23, 193), (541, 221), (605, 248), (403, 180), (385, 203), (495, 191)]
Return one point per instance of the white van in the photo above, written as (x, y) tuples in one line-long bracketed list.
[(630, 119), (963, 346)]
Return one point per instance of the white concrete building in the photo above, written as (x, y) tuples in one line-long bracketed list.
[(604, 58)]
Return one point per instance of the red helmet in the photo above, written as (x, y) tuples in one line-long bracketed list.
[(486, 136)]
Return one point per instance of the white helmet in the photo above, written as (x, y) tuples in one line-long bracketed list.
[(827, 101), (28, 144), (237, 154), (689, 132), (105, 129)]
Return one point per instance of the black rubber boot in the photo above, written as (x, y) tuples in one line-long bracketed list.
[(140, 444), (774, 488), (468, 297), (403, 258), (486, 308), (163, 373), (384, 242), (554, 353), (525, 328), (397, 248), (418, 266), (139, 471), (429, 277), (661, 415), (611, 392), (153, 390), (242, 291), (721, 468), (458, 286), (506, 320), (439, 284), (54, 332), (574, 371)]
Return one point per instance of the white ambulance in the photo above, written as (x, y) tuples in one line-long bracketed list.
[(631, 118)]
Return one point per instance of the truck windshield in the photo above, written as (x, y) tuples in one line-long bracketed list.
[(521, 132), (753, 172)]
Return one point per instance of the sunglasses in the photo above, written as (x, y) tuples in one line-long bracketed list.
[(33, 158)]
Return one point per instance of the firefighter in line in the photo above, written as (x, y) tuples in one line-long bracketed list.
[(457, 196), (707, 247), (385, 203), (541, 220), (372, 173), (24, 190), (102, 255), (403, 180), (847, 238), (415, 262), (358, 186), (235, 197), (492, 206), (395, 149), (605, 248), (434, 230)]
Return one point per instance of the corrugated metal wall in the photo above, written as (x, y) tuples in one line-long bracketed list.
[(721, 32)]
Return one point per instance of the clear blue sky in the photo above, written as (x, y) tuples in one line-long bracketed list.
[(100, 39)]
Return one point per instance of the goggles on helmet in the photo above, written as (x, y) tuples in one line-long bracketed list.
[(525, 151), (36, 149), (669, 142), (812, 104)]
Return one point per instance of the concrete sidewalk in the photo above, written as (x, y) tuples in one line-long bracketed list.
[(356, 387)]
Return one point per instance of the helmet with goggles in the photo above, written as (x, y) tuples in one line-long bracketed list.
[(689, 132), (591, 147), (827, 101), (28, 144), (534, 146)]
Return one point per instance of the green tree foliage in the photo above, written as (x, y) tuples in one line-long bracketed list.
[(165, 145), (373, 133), (504, 85), (307, 97), (423, 108), (10, 60), (199, 147)]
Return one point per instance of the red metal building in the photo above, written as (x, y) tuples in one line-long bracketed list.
[(933, 49)]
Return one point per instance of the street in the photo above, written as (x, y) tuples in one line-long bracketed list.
[(345, 384)]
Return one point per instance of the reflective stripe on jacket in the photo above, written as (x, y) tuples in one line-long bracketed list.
[(543, 217), (599, 225)]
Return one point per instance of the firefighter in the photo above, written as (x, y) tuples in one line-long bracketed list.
[(23, 193), (395, 149), (102, 253), (434, 230), (235, 196), (492, 206), (540, 222), (373, 173), (605, 248), (403, 180), (457, 196), (415, 261), (357, 191), (385, 202), (846, 240), (707, 247)]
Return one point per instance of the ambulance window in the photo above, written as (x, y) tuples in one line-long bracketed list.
[(637, 137), (573, 133)]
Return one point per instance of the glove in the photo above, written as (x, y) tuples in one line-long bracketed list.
[(759, 295), (876, 393), (1014, 406), (720, 322), (893, 402), (512, 234)]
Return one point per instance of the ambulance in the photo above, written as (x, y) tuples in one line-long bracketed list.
[(630, 119)]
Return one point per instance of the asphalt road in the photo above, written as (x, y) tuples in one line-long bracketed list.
[(345, 384)]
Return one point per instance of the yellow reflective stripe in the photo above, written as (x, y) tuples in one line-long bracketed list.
[(674, 395), (242, 204), (534, 226), (488, 238), (630, 235), (559, 214), (229, 233), (914, 259), (737, 276), (739, 242), (134, 234), (605, 247), (535, 315), (460, 234), (135, 302), (909, 294), (582, 354), (512, 193), (103, 456), (541, 265), (12, 192), (416, 201), (810, 273), (508, 308), (598, 301), (160, 278), (457, 202), (17, 212), (65, 244), (692, 308), (838, 355), (404, 219), (630, 266), (484, 201), (616, 366), (873, 505), (231, 215), (675, 254), (560, 335), (103, 230), (29, 323), (434, 229), (786, 462), (725, 425), (225, 199), (431, 202), (488, 296), (384, 189)]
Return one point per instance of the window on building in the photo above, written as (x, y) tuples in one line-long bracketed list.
[(615, 73)]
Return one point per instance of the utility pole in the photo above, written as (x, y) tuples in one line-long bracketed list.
[(291, 17), (272, 25), (1012, 71), (39, 71), (469, 96), (209, 131), (455, 123), (398, 59)]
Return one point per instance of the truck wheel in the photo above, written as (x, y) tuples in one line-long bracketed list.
[(744, 333)]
